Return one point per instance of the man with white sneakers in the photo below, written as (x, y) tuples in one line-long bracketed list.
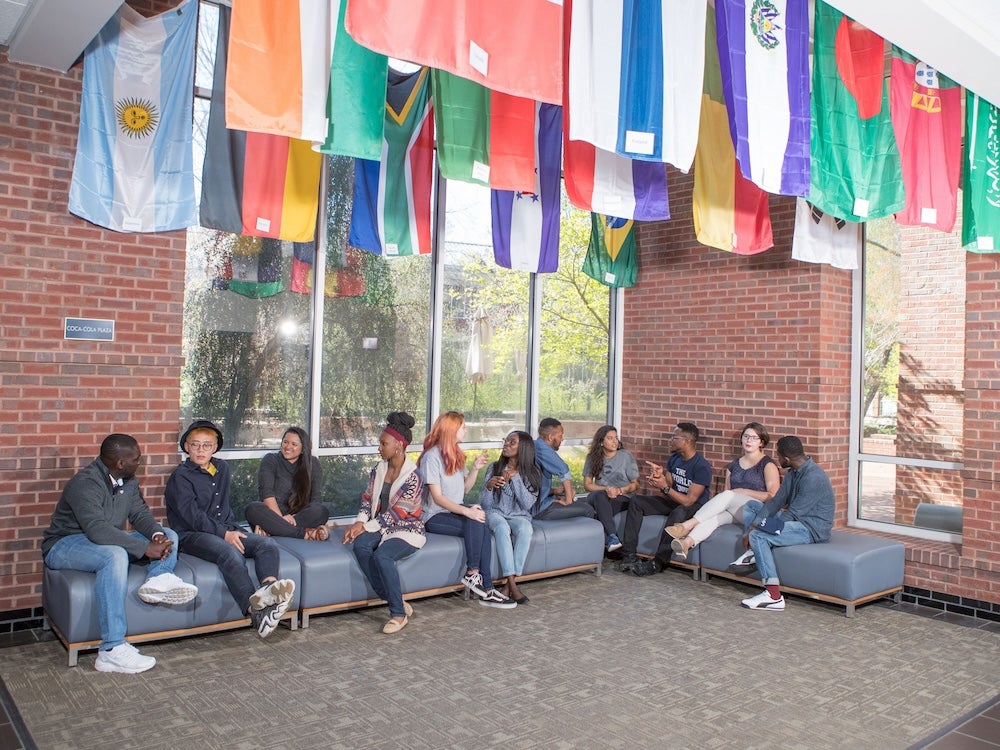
[(197, 500), (87, 533), (801, 512)]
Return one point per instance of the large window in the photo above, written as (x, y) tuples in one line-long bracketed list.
[(909, 398), (333, 338)]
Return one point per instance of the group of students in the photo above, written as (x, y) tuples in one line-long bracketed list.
[(405, 499)]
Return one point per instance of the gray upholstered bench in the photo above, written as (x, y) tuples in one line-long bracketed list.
[(848, 570), (332, 580), (70, 610)]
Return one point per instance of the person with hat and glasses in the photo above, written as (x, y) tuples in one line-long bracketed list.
[(197, 500)]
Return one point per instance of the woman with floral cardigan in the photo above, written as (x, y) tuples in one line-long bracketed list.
[(388, 527)]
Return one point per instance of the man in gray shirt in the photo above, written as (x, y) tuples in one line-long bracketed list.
[(87, 533)]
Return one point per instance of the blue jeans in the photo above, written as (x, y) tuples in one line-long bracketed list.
[(110, 562), (761, 542), (378, 562), (478, 541), (511, 554), (215, 549)]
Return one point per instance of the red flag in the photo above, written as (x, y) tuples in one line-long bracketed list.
[(926, 112), (513, 46)]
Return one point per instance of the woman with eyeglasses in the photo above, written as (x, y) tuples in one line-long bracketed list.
[(290, 483), (752, 476), (610, 475), (508, 495)]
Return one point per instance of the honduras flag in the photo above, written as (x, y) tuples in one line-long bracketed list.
[(133, 169)]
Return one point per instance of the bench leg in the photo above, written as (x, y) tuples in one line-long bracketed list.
[(599, 569), (73, 655), (849, 610)]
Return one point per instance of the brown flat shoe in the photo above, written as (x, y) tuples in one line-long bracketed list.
[(677, 531), (317, 534), (394, 625)]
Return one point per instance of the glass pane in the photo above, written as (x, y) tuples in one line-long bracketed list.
[(911, 496), (573, 372), (376, 330), (914, 342), (244, 485), (208, 33), (246, 339), (484, 347)]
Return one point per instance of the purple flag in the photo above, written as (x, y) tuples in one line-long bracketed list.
[(526, 225), (764, 56)]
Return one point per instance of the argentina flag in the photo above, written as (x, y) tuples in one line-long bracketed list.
[(133, 169)]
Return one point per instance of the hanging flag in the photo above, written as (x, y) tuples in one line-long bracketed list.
[(926, 110), (249, 266), (391, 212), (513, 46), (355, 104), (981, 176), (730, 212), (611, 256), (279, 67), (822, 238), (635, 70), (255, 183), (764, 56), (483, 136), (605, 182), (855, 171), (133, 169), (343, 276), (526, 225)]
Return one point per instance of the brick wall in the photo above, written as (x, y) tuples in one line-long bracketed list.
[(721, 339), (60, 397)]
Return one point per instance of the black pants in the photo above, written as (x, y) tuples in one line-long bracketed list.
[(653, 505), (314, 514), (558, 512), (606, 508)]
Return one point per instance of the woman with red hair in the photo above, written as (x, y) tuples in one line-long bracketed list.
[(442, 466)]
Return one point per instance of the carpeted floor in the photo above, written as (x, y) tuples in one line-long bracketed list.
[(591, 662)]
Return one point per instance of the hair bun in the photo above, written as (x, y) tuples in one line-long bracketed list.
[(401, 419)]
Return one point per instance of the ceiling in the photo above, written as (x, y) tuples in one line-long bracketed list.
[(961, 38)]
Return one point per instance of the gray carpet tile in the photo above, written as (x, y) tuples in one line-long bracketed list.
[(591, 662)]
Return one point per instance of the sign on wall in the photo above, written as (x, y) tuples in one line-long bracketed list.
[(89, 328)]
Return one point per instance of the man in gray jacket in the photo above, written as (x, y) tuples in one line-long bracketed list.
[(87, 533), (801, 512)]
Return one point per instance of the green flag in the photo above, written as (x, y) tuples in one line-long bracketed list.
[(355, 103), (981, 176), (462, 124), (855, 167), (611, 257)]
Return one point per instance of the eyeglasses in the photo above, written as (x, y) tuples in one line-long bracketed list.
[(201, 446), (751, 438), (678, 437)]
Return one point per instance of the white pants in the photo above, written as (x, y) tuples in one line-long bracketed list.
[(726, 507)]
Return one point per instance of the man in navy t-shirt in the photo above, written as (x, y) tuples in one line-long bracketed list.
[(684, 487)]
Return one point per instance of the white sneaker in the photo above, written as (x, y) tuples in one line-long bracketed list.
[(167, 588), (123, 658), (763, 600), (276, 592), (747, 558), (474, 583)]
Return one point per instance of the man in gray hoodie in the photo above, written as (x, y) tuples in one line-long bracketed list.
[(801, 512)]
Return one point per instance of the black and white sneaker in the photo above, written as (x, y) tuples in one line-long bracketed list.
[(494, 598), (474, 583), (274, 592), (627, 562), (266, 620), (646, 567)]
